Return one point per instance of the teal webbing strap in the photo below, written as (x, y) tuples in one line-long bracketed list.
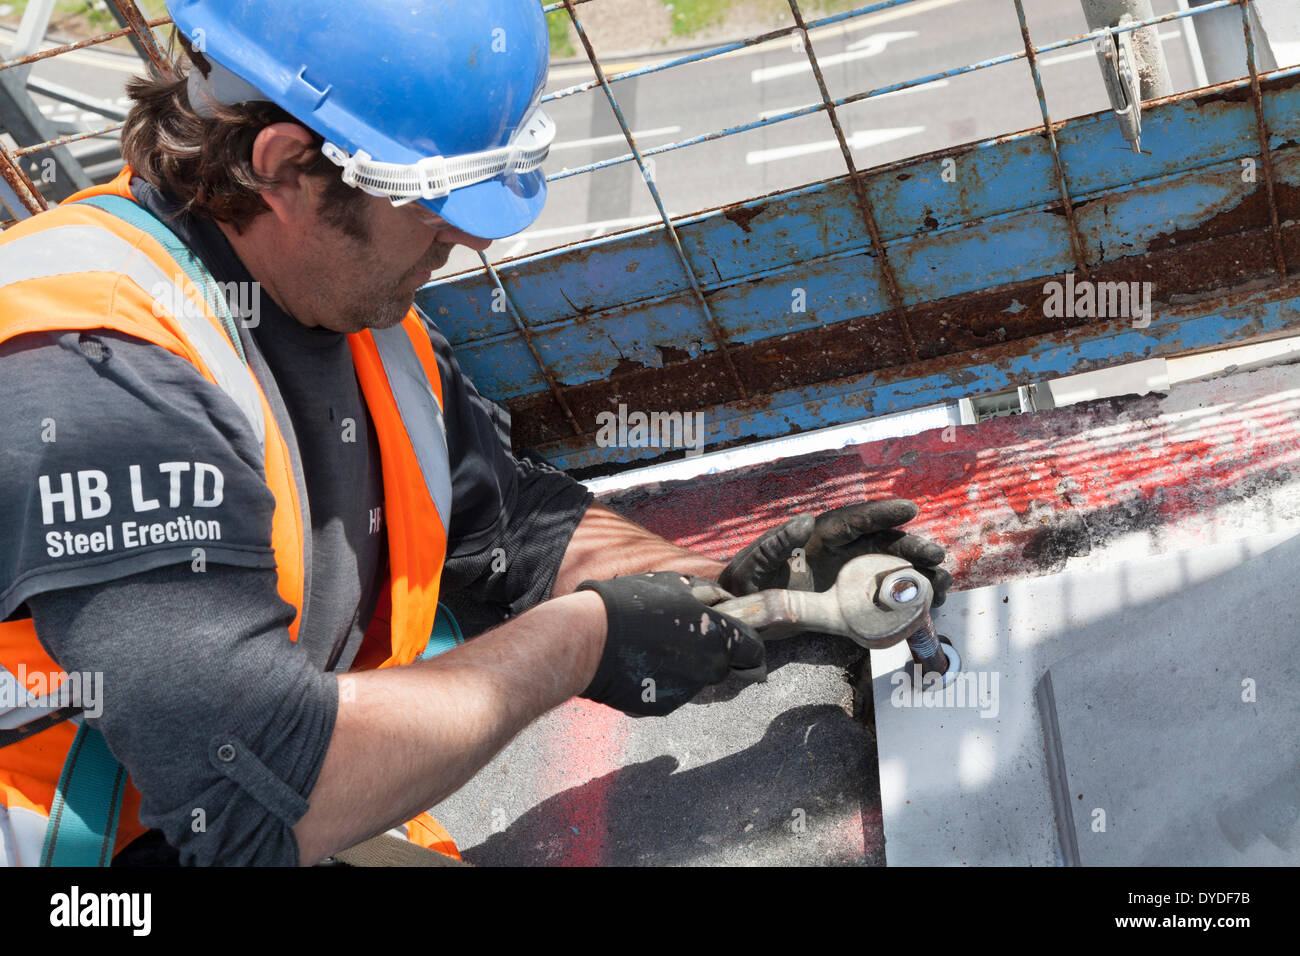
[(136, 215), (83, 819), (446, 634)]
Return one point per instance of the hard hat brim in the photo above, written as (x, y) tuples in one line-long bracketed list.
[(494, 209)]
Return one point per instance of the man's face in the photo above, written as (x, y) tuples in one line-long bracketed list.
[(366, 276)]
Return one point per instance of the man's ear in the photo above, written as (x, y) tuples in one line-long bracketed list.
[(277, 151)]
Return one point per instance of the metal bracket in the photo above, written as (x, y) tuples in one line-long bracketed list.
[(861, 605), (1123, 83)]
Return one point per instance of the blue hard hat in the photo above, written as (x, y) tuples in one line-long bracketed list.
[(392, 83)]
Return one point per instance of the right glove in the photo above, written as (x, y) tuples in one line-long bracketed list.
[(664, 643)]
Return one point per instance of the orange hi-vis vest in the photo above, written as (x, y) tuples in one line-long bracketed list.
[(80, 267)]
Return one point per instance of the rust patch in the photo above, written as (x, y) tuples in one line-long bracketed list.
[(671, 355), (742, 216), (1241, 94), (820, 355), (1249, 214), (536, 419), (625, 365)]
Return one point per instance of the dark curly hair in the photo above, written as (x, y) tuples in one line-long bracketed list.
[(206, 162)]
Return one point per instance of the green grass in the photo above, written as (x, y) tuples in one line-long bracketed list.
[(558, 25), (691, 16)]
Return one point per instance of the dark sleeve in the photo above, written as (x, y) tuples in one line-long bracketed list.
[(193, 663), (511, 519), (115, 453), (119, 457)]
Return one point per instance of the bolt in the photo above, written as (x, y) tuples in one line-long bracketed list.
[(904, 591)]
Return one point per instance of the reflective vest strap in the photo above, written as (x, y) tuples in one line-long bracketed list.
[(421, 413), (83, 819), (417, 474), (136, 215), (76, 249)]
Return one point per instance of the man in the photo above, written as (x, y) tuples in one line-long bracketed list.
[(240, 469)]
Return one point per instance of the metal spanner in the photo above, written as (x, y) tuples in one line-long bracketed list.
[(876, 601)]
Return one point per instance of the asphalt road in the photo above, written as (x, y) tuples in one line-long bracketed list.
[(903, 43)]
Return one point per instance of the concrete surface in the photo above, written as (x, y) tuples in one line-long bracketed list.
[(965, 779), (1176, 724)]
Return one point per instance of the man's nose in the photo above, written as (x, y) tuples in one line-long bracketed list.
[(451, 234)]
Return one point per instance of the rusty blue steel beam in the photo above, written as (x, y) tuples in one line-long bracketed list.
[(1076, 242), (1004, 252), (714, 332), (1001, 177), (948, 242), (526, 335), (1210, 325), (862, 200), (1261, 126)]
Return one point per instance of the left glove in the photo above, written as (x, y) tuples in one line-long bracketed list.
[(807, 552)]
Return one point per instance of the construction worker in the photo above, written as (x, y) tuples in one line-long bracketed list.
[(240, 468)]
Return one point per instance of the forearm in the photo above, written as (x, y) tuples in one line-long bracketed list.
[(408, 737), (607, 545)]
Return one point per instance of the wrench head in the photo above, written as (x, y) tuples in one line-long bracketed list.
[(882, 599)]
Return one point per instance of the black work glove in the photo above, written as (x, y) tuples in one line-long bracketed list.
[(828, 542), (664, 642)]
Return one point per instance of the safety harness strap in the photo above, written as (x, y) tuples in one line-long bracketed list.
[(446, 633), (83, 819)]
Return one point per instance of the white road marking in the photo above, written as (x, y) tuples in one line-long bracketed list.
[(859, 140), (933, 85), (616, 138), (1086, 52), (870, 46), (845, 27)]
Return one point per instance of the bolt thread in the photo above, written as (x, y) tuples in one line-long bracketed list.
[(926, 648), (924, 641)]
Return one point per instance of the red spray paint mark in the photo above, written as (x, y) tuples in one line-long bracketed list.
[(586, 749)]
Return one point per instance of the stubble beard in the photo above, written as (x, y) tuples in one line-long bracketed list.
[(388, 307)]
